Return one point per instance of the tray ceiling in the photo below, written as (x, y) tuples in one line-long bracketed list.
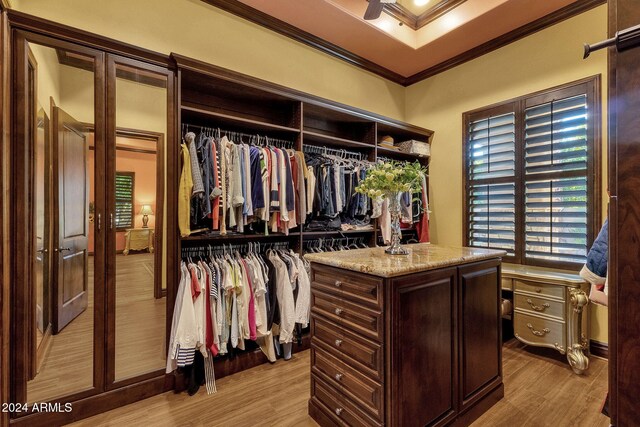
[(412, 36)]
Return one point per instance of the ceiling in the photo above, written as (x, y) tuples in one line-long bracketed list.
[(412, 39)]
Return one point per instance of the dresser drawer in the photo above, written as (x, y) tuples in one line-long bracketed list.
[(341, 408), (507, 284), (539, 331), (541, 306), (360, 320), (540, 289), (361, 289), (343, 343), (367, 393)]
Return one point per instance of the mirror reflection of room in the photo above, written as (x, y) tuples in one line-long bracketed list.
[(66, 215), (140, 315)]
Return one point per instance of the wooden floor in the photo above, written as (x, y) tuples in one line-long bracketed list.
[(540, 390), (140, 335)]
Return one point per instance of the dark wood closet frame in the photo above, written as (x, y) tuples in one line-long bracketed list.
[(106, 393), (591, 86), (219, 98)]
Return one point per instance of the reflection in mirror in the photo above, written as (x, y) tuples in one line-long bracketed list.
[(41, 335), (60, 362), (141, 121)]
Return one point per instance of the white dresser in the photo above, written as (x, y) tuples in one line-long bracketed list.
[(549, 310)]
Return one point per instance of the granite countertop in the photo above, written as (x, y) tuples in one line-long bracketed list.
[(422, 257)]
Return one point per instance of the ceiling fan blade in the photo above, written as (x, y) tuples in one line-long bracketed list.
[(373, 10)]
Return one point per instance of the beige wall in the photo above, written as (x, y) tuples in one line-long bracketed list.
[(548, 58), (195, 29), (48, 75)]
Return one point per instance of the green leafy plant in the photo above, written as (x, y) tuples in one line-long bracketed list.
[(391, 177)]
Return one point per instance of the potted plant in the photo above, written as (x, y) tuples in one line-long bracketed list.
[(388, 180)]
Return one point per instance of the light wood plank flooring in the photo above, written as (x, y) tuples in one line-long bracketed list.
[(540, 390), (140, 335)]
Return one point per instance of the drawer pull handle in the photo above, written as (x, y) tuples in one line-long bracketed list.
[(338, 311), (338, 343), (339, 411), (542, 307), (538, 290), (338, 377), (338, 283), (542, 333)]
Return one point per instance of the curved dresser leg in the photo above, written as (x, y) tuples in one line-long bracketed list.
[(577, 341)]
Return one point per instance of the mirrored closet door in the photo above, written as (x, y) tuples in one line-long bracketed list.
[(137, 303), (90, 303), (59, 296)]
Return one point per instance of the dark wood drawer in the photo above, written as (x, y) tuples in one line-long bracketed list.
[(362, 321), (358, 288), (348, 347), (367, 393), (342, 410)]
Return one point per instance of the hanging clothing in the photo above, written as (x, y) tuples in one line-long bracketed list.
[(184, 193)]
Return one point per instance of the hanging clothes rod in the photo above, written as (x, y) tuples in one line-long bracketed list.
[(623, 40), (256, 247), (341, 152), (237, 136)]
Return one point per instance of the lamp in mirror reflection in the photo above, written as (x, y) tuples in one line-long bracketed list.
[(145, 211)]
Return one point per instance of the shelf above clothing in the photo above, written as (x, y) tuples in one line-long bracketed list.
[(400, 155), (311, 138), (236, 236), (214, 118)]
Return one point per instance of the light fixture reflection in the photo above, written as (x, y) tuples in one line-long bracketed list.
[(420, 2)]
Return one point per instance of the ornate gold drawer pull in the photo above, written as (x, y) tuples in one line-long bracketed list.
[(338, 283), (338, 343), (538, 290), (542, 333), (339, 411), (338, 377), (542, 307), (338, 311)]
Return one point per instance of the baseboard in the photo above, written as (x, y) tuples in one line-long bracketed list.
[(599, 349)]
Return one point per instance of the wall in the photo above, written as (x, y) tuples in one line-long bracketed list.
[(548, 58), (198, 30), (49, 71)]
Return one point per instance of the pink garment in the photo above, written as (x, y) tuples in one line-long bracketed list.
[(252, 307)]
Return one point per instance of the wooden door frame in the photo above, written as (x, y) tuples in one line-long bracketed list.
[(21, 184)]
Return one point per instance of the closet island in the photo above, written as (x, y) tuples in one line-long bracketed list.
[(405, 340)]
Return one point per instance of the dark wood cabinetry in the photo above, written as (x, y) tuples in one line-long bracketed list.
[(417, 350)]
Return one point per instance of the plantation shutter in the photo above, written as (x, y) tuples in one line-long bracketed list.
[(491, 182), (124, 200), (556, 180)]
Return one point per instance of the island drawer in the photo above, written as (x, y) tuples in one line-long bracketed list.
[(368, 393), (545, 307), (552, 291), (358, 288), (341, 407), (343, 343), (361, 320), (539, 331)]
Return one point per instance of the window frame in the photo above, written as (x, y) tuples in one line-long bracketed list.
[(591, 86), (133, 198)]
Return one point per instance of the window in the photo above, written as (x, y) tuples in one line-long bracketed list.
[(532, 175), (124, 200)]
